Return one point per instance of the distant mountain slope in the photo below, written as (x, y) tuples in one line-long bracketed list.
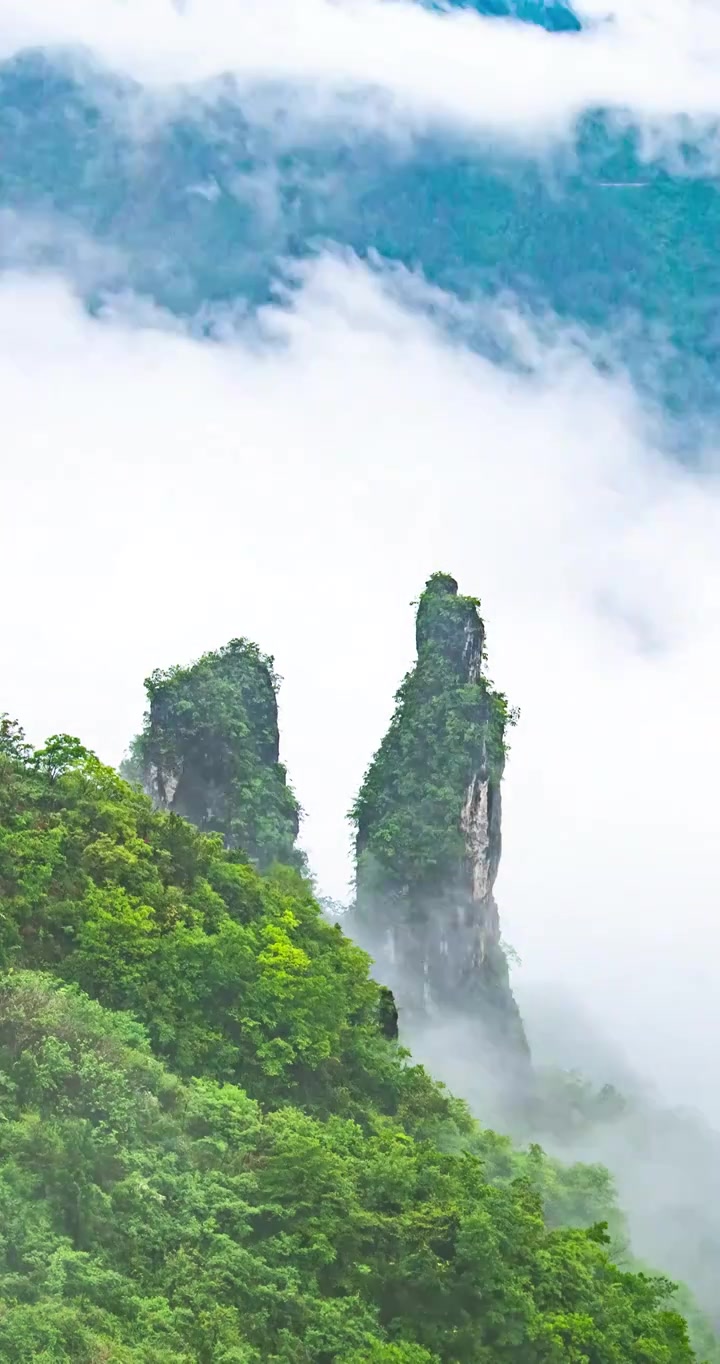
[(196, 203)]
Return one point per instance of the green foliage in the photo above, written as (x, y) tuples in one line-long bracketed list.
[(209, 749), (449, 724), (669, 1151), (220, 1158), (149, 1219), (237, 975)]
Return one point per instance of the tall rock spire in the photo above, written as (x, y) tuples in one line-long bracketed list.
[(428, 832)]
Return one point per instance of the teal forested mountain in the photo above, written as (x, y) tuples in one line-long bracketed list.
[(195, 202)]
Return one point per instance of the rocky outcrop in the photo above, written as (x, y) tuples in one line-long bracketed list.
[(209, 751), (428, 832)]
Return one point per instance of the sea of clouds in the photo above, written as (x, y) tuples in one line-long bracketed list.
[(297, 478)]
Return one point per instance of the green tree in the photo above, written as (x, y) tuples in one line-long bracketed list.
[(210, 1151), (209, 750)]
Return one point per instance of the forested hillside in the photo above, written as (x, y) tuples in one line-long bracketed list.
[(298, 300), (212, 1152)]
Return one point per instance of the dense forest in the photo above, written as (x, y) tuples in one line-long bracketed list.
[(213, 1147)]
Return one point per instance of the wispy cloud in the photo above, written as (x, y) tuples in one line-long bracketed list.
[(297, 483), (295, 474), (498, 78)]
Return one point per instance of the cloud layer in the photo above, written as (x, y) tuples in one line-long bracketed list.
[(297, 483), (298, 477), (657, 61)]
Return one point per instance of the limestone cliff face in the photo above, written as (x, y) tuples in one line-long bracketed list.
[(209, 751), (428, 822)]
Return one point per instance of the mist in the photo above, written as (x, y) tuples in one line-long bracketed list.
[(152, 470), (664, 1158), (294, 473), (596, 559), (416, 65)]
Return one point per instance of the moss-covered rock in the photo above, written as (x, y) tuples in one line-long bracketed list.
[(209, 751), (428, 828)]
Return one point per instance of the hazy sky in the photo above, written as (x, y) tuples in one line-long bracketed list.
[(298, 483)]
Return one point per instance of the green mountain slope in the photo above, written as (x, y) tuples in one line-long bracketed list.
[(225, 1159)]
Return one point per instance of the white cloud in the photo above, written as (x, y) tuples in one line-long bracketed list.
[(657, 60), (299, 481), (161, 495)]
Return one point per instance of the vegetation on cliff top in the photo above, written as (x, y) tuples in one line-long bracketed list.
[(447, 726), (209, 750)]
